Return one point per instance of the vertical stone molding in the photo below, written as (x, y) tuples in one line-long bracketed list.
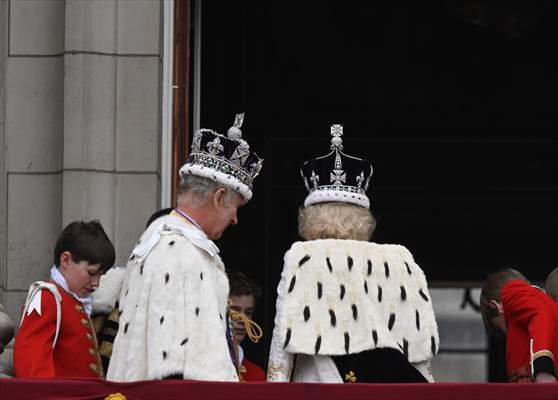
[(80, 83), (33, 90)]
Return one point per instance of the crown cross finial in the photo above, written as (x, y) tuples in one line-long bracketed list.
[(336, 133), (336, 130), (238, 120)]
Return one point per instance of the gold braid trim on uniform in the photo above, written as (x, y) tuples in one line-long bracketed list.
[(543, 353), (253, 330)]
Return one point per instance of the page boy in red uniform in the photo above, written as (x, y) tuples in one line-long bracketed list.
[(56, 337), (529, 319)]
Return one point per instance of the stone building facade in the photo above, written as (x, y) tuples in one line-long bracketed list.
[(80, 127)]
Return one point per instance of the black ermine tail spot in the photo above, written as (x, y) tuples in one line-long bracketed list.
[(329, 266), (184, 342), (164, 355), (171, 243), (403, 293), (341, 291), (386, 267), (347, 342), (141, 269), (375, 337), (319, 290), (303, 260), (408, 269), (197, 311), (350, 263), (406, 348), (379, 294), (369, 268), (306, 313), (162, 320), (332, 318), (318, 344), (292, 284), (167, 276), (126, 327), (417, 319), (433, 345), (365, 287), (391, 321), (423, 295), (201, 276), (355, 311), (287, 338)]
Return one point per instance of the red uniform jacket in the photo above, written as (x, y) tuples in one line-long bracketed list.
[(75, 353), (251, 372), (532, 324)]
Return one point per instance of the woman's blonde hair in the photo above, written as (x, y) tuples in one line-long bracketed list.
[(335, 220)]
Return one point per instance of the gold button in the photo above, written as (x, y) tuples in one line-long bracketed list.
[(94, 368), (92, 351), (89, 337), (79, 308), (84, 322)]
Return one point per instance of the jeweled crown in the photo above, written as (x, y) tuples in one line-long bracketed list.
[(224, 159), (337, 176)]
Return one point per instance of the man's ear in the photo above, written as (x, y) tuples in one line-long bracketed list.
[(497, 306), (65, 259), (219, 197)]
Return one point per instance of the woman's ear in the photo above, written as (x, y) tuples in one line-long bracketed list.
[(65, 260), (497, 306)]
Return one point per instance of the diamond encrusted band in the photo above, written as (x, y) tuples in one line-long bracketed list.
[(220, 165)]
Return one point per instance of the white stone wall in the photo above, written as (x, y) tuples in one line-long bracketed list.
[(81, 90), (462, 356)]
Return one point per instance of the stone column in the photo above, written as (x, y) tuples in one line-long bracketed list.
[(112, 94), (81, 90), (33, 134)]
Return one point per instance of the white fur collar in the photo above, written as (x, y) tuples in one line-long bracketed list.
[(173, 224)]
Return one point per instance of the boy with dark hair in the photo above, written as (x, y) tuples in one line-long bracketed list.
[(528, 318), (244, 293), (56, 337)]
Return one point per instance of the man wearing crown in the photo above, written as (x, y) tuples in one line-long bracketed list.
[(348, 310), (173, 302)]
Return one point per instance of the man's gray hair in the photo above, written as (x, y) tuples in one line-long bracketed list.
[(200, 188)]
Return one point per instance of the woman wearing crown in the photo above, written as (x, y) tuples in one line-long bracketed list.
[(348, 310)]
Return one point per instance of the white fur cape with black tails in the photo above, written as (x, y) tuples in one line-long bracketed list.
[(173, 308), (343, 297)]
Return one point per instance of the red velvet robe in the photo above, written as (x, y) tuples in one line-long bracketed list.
[(76, 352), (532, 324)]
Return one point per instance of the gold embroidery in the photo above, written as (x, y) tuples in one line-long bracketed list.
[(543, 353), (116, 396), (276, 369), (350, 377)]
